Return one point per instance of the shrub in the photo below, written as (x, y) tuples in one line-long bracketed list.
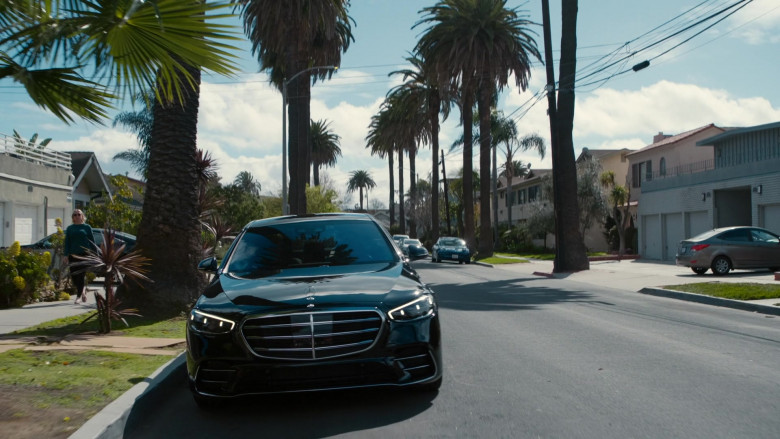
[(23, 276)]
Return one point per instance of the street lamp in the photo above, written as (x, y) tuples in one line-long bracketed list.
[(285, 206)]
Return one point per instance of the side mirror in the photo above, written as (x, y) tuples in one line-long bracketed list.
[(208, 265)]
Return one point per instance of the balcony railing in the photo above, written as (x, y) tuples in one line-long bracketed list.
[(688, 168), (24, 150)]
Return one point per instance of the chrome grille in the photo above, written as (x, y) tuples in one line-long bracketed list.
[(312, 336)]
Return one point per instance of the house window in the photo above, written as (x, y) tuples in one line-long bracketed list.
[(641, 172), (533, 193), (662, 167), (521, 196)]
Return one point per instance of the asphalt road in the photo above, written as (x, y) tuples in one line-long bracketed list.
[(529, 357)]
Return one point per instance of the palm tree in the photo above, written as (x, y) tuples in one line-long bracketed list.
[(325, 147), (247, 183), (486, 43), (618, 195), (409, 115), (418, 79), (290, 37), (161, 45), (140, 122), (128, 42), (360, 180), (382, 144)]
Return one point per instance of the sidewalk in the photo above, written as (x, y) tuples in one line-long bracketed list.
[(649, 277)]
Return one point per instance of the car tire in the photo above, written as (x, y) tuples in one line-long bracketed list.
[(721, 266), (699, 270), (433, 386), (468, 261)]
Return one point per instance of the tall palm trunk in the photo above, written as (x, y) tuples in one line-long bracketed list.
[(298, 111), (412, 191), (390, 162), (572, 250), (434, 104), (169, 233), (468, 166), (401, 214), (485, 226)]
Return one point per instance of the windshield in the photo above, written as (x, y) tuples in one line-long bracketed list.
[(453, 242), (267, 250)]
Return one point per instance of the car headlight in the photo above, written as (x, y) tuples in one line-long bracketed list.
[(209, 323), (422, 306)]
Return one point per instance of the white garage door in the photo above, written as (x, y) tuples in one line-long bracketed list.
[(51, 221), (25, 224), (673, 234), (698, 222), (769, 217), (651, 237)]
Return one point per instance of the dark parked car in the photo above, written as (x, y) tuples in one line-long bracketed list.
[(308, 303), (730, 247), (414, 249), (97, 233), (451, 249)]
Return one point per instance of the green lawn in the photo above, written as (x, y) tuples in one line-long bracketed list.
[(727, 290)]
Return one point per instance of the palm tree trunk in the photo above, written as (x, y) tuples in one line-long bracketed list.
[(468, 166), (401, 214), (169, 233), (433, 105), (572, 251), (316, 172), (412, 192), (485, 226), (299, 127), (392, 188)]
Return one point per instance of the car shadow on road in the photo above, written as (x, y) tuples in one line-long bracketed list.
[(502, 294), (302, 415)]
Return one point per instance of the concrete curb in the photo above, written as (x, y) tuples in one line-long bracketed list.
[(709, 300), (110, 422)]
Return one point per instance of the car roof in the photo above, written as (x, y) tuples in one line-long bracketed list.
[(341, 216)]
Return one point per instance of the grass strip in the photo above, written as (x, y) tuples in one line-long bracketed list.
[(139, 327), (727, 290)]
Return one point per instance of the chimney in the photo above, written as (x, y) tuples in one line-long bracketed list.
[(660, 136)]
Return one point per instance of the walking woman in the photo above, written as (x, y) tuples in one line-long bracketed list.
[(78, 239)]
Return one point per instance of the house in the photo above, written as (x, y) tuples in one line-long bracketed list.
[(525, 198), (90, 182), (714, 177), (36, 187), (616, 161), (39, 185)]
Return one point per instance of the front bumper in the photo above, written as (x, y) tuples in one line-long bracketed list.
[(405, 353)]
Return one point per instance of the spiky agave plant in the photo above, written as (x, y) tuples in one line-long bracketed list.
[(109, 261)]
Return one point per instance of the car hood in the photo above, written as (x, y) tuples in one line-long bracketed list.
[(376, 283)]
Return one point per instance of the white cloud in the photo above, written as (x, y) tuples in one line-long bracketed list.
[(758, 23)]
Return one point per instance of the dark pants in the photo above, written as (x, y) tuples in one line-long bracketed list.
[(77, 275)]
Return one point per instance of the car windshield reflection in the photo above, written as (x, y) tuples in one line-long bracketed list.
[(268, 250)]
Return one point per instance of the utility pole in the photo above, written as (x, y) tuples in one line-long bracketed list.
[(446, 196)]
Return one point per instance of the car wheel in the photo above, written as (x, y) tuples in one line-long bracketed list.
[(468, 261), (721, 265), (429, 387), (699, 270)]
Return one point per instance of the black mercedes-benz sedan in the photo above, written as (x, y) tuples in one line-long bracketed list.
[(307, 303)]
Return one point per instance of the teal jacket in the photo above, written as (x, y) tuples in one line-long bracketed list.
[(78, 239)]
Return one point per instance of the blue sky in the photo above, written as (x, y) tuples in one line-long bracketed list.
[(727, 75)]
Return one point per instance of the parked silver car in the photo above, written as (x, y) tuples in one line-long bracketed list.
[(730, 247)]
